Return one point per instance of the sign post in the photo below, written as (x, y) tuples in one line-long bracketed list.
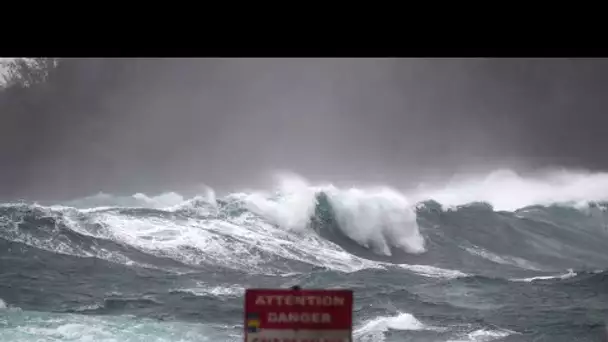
[(296, 315)]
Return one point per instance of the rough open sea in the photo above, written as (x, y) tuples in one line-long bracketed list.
[(492, 258)]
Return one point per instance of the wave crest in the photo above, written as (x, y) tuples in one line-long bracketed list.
[(302, 225)]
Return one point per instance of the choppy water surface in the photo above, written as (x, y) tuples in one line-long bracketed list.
[(474, 267)]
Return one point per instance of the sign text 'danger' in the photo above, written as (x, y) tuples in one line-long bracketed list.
[(285, 309), (295, 317)]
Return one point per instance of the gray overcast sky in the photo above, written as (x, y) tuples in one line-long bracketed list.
[(230, 122)]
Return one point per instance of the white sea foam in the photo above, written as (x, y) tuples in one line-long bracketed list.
[(374, 330), (483, 335), (504, 260), (377, 218), (40, 326), (434, 272), (62, 215), (504, 189), (292, 206), (507, 190), (203, 289), (245, 242), (138, 200), (568, 275)]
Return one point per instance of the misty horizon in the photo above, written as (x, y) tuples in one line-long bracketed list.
[(123, 126)]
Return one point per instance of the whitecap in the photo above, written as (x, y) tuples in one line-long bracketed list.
[(434, 272), (374, 330), (483, 335), (568, 275)]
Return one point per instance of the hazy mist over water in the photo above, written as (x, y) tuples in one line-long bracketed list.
[(171, 124), (460, 199)]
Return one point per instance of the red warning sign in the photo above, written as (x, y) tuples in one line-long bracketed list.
[(286, 315)]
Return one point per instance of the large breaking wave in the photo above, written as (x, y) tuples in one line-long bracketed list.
[(501, 228), (325, 226)]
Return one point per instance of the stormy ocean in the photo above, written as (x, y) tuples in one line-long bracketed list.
[(498, 257)]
